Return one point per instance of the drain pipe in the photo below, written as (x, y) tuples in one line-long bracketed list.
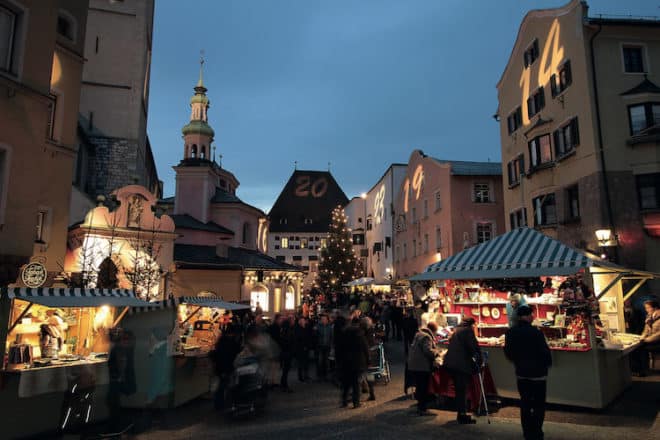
[(601, 150)]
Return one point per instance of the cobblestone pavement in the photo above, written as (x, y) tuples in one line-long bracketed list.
[(312, 412)]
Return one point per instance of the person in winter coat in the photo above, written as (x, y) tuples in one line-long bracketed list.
[(527, 348), (367, 327), (353, 355), (226, 349), (421, 357), (516, 300), (324, 333), (304, 342), (410, 328), (463, 356), (286, 342), (650, 338)]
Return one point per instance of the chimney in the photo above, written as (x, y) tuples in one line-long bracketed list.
[(222, 250)]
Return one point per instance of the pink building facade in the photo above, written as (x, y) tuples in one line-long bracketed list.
[(443, 207)]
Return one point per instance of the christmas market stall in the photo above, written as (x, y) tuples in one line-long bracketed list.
[(56, 347), (174, 338), (577, 300)]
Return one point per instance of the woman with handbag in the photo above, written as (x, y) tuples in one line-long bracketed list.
[(460, 363)]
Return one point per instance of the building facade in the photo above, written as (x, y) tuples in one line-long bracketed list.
[(114, 149), (40, 80), (443, 207), (579, 131), (356, 214), (300, 220), (380, 224), (221, 239)]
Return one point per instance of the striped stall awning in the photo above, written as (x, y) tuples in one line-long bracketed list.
[(74, 297), (192, 300), (520, 253)]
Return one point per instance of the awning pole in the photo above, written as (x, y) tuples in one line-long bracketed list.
[(639, 284), (192, 314), (609, 286), (18, 320), (120, 317)]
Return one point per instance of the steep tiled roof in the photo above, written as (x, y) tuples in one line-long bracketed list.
[(237, 258), (463, 168), (186, 221), (222, 196), (308, 195)]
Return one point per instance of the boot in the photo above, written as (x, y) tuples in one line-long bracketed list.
[(464, 419)]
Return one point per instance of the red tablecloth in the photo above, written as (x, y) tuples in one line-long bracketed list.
[(441, 384)]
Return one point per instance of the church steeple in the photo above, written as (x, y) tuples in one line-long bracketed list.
[(198, 134)]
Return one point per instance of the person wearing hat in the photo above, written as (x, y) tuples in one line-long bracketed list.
[(527, 348), (461, 360), (515, 300)]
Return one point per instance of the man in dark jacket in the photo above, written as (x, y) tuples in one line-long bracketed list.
[(526, 347), (421, 357), (463, 355), (304, 342), (353, 356), (323, 345), (226, 349)]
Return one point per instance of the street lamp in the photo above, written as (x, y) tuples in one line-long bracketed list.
[(606, 238)]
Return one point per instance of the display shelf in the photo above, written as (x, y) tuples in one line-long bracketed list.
[(475, 303), (493, 326)]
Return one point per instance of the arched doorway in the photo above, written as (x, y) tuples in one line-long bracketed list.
[(290, 298), (259, 296)]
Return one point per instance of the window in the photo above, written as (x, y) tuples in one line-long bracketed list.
[(573, 201), (438, 238), (303, 243), (405, 251), (358, 239), (531, 54), (284, 243), (648, 190), (66, 25), (544, 210), (561, 80), (414, 248), (514, 120), (566, 138), (42, 218), (397, 252), (438, 201), (313, 257), (643, 116), (536, 102), (297, 258), (8, 27), (516, 169), (426, 208), (414, 215), (540, 152), (324, 242), (484, 232), (246, 233), (633, 59), (518, 218), (308, 221), (52, 109), (283, 221), (369, 224), (482, 193), (280, 258), (426, 243)]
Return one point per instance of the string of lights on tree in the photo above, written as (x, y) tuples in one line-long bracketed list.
[(338, 264)]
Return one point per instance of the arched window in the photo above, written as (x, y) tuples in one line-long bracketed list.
[(193, 151), (203, 153), (246, 233)]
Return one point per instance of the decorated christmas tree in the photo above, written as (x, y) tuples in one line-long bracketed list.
[(338, 264)]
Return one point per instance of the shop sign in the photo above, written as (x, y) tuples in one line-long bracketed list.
[(34, 275)]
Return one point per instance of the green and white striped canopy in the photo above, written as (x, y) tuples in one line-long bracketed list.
[(519, 253)]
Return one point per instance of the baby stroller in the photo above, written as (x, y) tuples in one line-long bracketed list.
[(379, 368), (247, 391)]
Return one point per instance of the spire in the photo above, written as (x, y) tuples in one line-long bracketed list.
[(199, 88)]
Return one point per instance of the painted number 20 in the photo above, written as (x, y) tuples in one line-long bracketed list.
[(305, 187)]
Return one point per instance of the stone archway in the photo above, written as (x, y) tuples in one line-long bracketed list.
[(259, 294)]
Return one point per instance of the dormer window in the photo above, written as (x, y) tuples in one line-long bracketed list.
[(66, 25)]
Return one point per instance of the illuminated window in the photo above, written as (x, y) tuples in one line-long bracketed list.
[(536, 102), (8, 28), (540, 152), (484, 232), (303, 243), (545, 212), (481, 193), (284, 243), (633, 59), (531, 54), (560, 81), (324, 242), (573, 202), (566, 138), (259, 298), (518, 218), (648, 190), (514, 120), (289, 299), (643, 116), (516, 169)]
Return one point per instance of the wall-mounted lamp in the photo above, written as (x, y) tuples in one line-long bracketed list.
[(606, 238), (496, 117)]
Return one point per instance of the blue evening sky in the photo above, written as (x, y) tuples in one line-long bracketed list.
[(358, 83)]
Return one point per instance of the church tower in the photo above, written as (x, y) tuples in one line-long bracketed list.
[(200, 180)]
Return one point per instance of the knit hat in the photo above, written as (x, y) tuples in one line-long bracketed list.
[(524, 311)]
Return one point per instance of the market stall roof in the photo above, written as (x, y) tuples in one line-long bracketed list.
[(212, 302), (520, 253), (364, 281), (74, 297)]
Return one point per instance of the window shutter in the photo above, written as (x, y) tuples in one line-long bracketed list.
[(568, 75), (553, 85), (510, 168), (575, 132), (541, 98), (530, 100), (555, 140)]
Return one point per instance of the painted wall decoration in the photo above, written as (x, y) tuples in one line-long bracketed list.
[(379, 205), (416, 187), (305, 187)]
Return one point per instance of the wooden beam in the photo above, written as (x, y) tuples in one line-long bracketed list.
[(609, 286), (632, 291), (192, 314), (18, 320), (120, 317)]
